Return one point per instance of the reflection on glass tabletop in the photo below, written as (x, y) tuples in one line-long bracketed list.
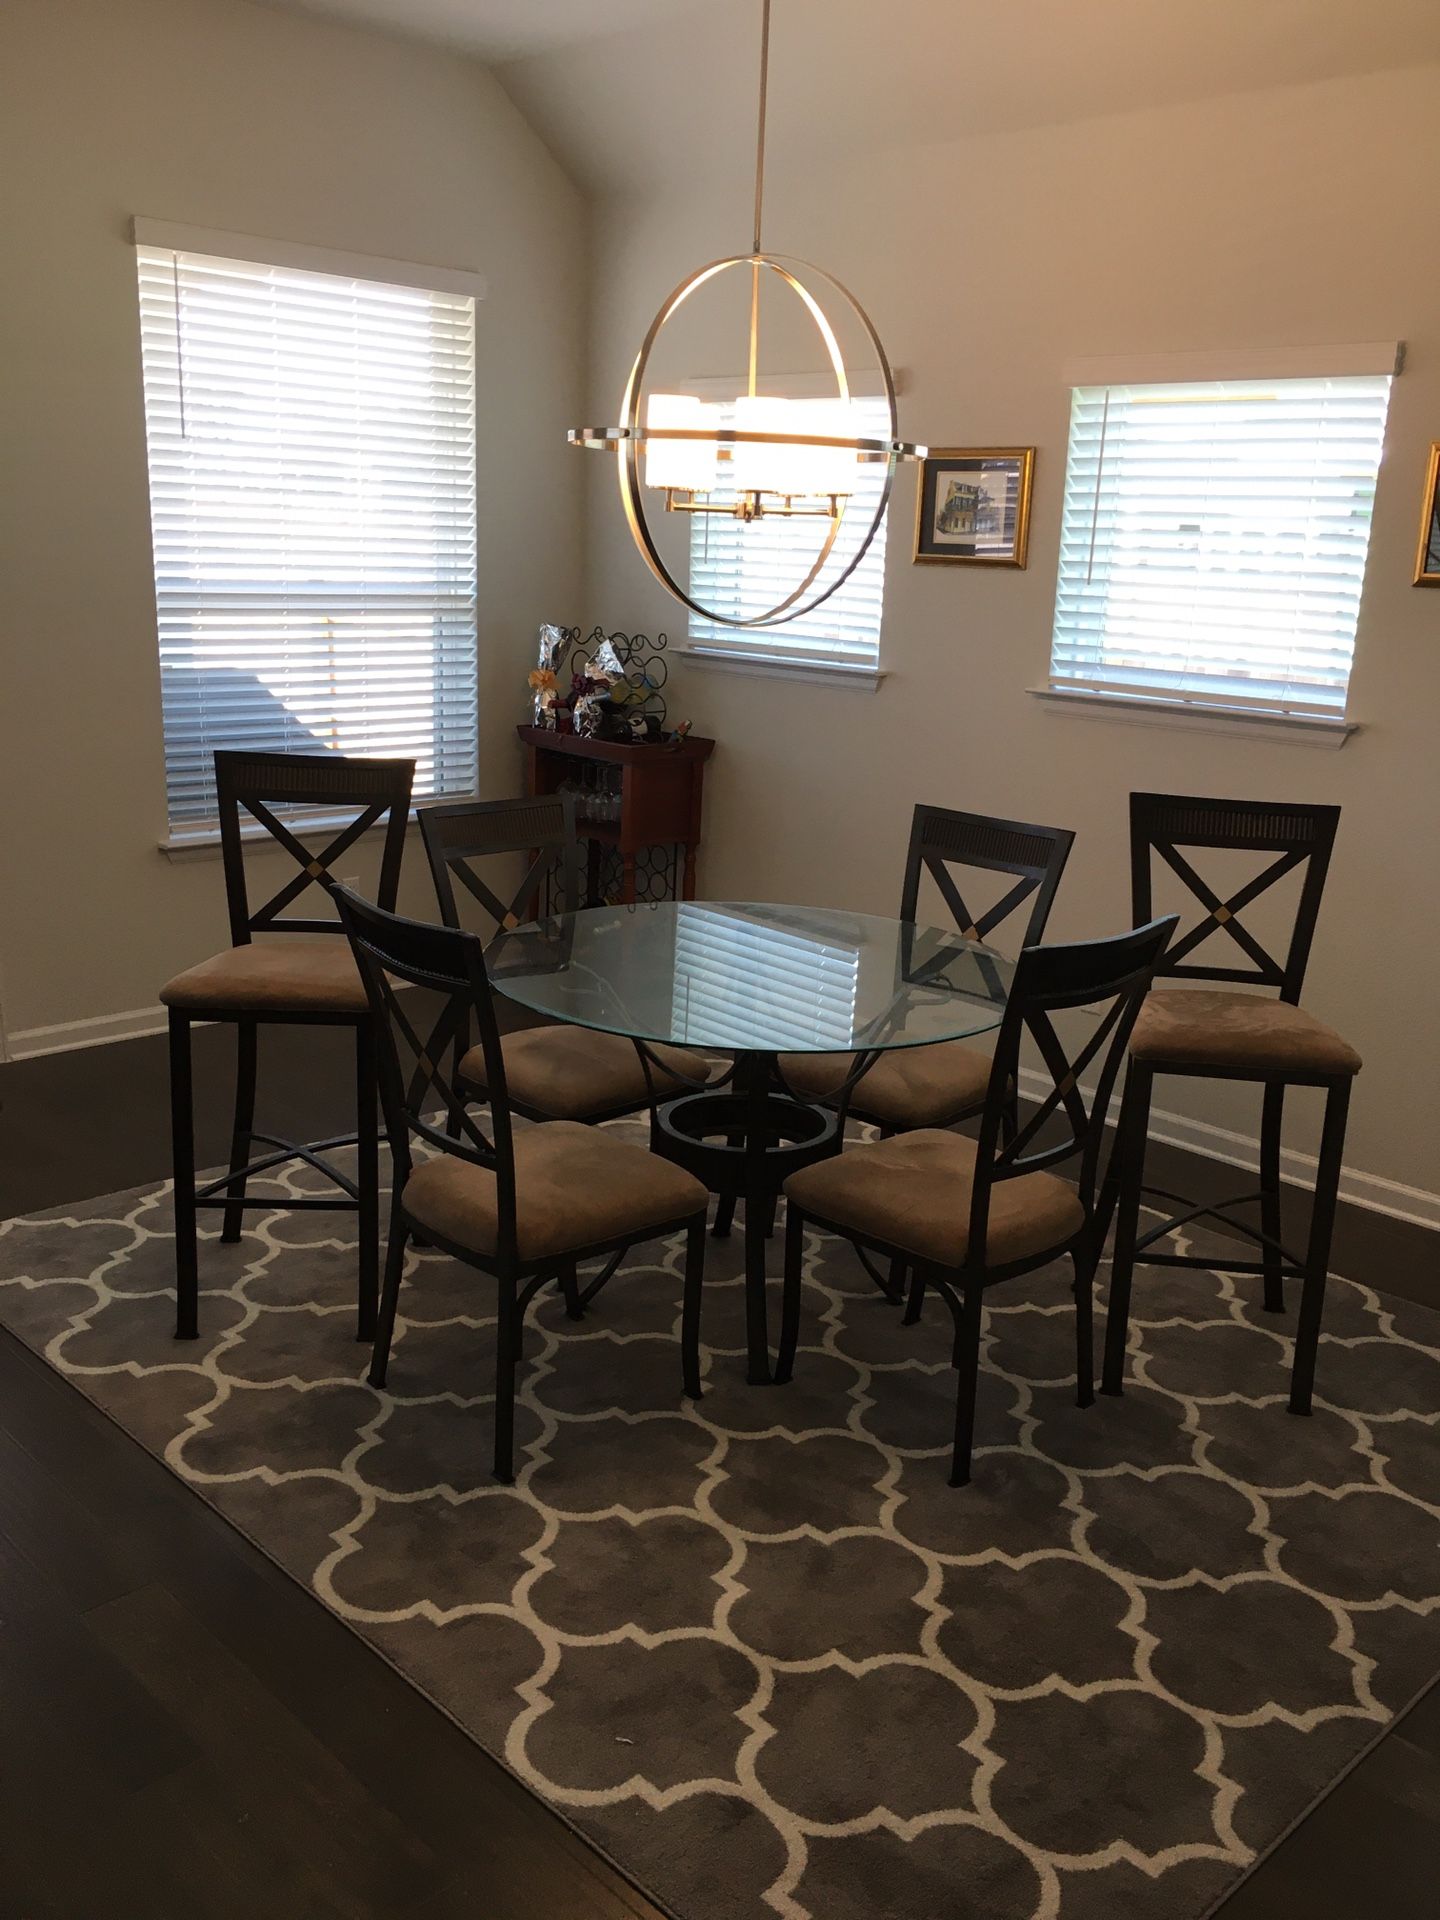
[(741, 976)]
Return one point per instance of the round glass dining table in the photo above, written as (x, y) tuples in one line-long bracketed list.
[(755, 982)]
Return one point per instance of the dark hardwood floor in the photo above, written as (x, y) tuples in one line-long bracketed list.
[(186, 1733)]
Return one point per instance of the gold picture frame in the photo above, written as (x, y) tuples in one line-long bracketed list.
[(972, 506), (1427, 553)]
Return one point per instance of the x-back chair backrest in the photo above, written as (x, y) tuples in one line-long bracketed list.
[(544, 828), (1110, 978), (1299, 836), (941, 840), (374, 790), (417, 1032)]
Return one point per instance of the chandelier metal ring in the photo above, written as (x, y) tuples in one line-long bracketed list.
[(761, 485), (628, 439)]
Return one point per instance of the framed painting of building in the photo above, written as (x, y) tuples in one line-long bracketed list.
[(973, 505)]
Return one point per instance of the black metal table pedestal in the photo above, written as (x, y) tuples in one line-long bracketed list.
[(744, 1142)]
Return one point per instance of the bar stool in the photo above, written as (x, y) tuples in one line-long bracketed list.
[(306, 978), (1218, 1034)]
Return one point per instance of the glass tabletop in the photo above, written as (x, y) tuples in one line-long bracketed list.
[(746, 977)]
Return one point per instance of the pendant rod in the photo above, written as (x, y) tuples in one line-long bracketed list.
[(760, 129), (759, 193)]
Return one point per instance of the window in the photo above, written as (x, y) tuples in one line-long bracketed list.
[(312, 497), (742, 570), (1214, 540)]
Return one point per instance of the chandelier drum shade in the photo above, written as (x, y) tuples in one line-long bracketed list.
[(765, 454)]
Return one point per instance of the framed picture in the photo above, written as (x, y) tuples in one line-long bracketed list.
[(1427, 554), (974, 505)]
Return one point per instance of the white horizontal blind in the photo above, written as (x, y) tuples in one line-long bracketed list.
[(787, 989), (312, 497), (741, 569), (1214, 540)]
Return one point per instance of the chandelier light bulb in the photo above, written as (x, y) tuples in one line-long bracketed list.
[(681, 465)]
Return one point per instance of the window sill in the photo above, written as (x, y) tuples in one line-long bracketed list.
[(1294, 730), (204, 842), (819, 673)]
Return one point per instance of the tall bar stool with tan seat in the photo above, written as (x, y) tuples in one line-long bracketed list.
[(307, 976), (551, 1072), (1217, 1033)]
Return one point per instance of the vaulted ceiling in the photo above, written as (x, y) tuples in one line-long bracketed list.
[(496, 29), (631, 92)]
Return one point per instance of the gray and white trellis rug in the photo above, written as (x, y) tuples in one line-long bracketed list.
[(757, 1649)]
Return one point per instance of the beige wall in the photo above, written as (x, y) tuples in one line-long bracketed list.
[(1272, 219), (221, 114)]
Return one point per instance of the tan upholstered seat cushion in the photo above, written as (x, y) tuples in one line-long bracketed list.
[(575, 1186), (914, 1192), (1240, 1030), (572, 1073), (906, 1087), (293, 973)]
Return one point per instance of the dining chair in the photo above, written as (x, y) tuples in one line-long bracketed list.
[(551, 1072), (947, 1081), (966, 1214), (1217, 1033), (522, 1206), (305, 978)]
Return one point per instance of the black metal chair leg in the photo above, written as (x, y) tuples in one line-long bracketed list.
[(725, 1204), (1317, 1254), (246, 1055), (389, 1298), (1083, 1261), (690, 1313), (1271, 1120), (896, 1278), (570, 1287), (182, 1146), (916, 1299), (967, 1383), (790, 1297), (1134, 1129), (507, 1356), (367, 1179)]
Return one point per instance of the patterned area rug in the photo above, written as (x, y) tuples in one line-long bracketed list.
[(758, 1650)]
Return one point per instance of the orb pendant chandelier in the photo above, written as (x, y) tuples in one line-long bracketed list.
[(781, 457)]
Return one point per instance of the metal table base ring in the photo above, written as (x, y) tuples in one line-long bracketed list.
[(707, 1134)]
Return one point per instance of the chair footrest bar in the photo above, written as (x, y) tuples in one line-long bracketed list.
[(286, 1150), (1292, 1272), (1213, 1211), (269, 1204), (1188, 1199)]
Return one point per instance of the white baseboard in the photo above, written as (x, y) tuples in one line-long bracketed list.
[(26, 1042), (1360, 1189)]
